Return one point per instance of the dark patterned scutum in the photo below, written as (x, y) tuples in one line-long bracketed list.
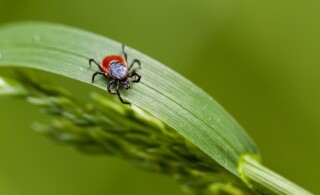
[(118, 70)]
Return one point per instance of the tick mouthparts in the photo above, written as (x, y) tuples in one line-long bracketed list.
[(127, 86)]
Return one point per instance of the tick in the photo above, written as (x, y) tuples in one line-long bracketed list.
[(116, 68)]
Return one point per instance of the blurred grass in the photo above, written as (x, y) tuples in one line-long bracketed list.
[(38, 166), (264, 53)]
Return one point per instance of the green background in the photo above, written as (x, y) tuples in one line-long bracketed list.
[(259, 59)]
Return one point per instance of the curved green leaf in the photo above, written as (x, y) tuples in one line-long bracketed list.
[(162, 92)]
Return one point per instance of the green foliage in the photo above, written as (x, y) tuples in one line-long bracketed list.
[(162, 92), (105, 127), (182, 131)]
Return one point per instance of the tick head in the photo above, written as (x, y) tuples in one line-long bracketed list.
[(125, 83)]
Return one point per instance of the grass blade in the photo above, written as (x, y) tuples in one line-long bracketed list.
[(163, 93)]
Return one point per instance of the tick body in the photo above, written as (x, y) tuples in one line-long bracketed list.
[(115, 68)]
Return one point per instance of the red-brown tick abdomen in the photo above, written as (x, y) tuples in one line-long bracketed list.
[(107, 61)]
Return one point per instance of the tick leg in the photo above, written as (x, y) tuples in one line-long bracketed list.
[(133, 62), (119, 95), (124, 52), (95, 74), (109, 87), (134, 73), (96, 63)]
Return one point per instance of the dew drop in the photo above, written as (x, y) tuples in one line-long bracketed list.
[(36, 38), (0, 55), (81, 68)]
